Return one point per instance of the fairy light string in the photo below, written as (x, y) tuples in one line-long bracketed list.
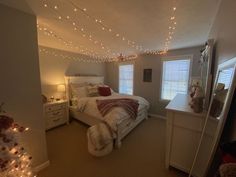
[(170, 33), (61, 54), (74, 23), (77, 28), (69, 44), (105, 27), (14, 160)]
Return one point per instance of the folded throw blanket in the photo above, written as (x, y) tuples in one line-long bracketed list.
[(129, 105)]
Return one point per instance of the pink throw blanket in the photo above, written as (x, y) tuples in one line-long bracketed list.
[(129, 105)]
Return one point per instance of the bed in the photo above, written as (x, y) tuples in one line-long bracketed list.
[(84, 110)]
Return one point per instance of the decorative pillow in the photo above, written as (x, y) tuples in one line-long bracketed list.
[(92, 91), (103, 85), (74, 101), (112, 91), (78, 92), (104, 91)]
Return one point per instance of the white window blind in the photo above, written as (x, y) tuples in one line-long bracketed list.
[(126, 79), (225, 77), (175, 78)]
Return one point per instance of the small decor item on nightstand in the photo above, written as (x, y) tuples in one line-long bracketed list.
[(52, 98)]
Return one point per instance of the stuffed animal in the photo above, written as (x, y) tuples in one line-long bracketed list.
[(197, 99)]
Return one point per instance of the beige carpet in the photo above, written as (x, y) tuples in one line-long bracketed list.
[(142, 153)]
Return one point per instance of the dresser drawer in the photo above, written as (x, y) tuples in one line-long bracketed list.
[(187, 121)]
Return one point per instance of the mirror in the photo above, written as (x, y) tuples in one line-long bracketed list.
[(206, 72), (221, 98)]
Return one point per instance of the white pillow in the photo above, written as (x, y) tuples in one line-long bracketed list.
[(78, 91)]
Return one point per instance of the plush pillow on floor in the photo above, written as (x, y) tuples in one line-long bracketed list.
[(100, 140)]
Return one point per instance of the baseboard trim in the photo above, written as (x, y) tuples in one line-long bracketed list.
[(41, 166), (157, 116)]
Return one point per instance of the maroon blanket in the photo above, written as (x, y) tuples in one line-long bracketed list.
[(129, 105)]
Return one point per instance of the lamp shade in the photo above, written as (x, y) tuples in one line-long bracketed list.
[(61, 88)]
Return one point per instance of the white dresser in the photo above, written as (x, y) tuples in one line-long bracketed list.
[(56, 113), (183, 133)]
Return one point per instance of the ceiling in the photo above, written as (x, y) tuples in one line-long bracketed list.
[(136, 25)]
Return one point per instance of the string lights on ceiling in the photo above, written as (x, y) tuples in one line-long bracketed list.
[(69, 44), (105, 27), (64, 56), (170, 33), (82, 59), (108, 54), (77, 28), (171, 30)]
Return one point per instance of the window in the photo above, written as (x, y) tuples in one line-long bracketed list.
[(175, 77), (225, 77), (126, 73)]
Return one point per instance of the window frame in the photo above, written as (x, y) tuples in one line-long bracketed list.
[(122, 64), (173, 58)]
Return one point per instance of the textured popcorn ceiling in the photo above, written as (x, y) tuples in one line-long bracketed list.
[(145, 22)]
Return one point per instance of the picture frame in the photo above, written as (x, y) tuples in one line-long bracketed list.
[(147, 75)]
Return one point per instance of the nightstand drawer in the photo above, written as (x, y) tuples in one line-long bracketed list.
[(55, 107), (55, 122), (56, 113)]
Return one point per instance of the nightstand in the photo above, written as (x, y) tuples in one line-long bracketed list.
[(56, 113)]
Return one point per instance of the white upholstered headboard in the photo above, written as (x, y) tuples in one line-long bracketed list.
[(82, 79)]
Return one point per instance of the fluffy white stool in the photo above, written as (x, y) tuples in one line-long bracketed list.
[(100, 141)]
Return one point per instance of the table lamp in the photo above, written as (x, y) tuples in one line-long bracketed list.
[(61, 88)]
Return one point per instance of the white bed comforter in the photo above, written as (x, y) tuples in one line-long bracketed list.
[(88, 105)]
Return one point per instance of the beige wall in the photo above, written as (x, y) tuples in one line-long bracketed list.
[(54, 68), (20, 79), (151, 91), (224, 33)]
